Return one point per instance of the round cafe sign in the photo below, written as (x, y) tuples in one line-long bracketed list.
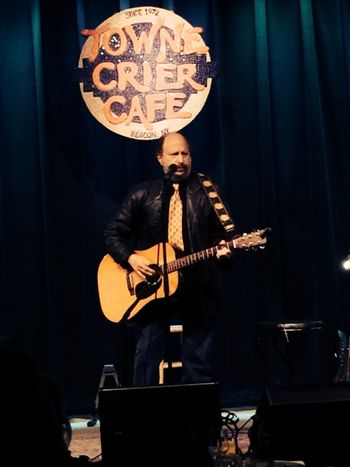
[(144, 72)]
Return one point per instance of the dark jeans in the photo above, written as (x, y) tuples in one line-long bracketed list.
[(197, 342)]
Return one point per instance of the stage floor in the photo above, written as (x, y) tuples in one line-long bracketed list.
[(86, 439)]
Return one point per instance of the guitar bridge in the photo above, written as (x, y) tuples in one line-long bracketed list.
[(130, 283)]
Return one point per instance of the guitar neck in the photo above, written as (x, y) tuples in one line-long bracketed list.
[(197, 257)]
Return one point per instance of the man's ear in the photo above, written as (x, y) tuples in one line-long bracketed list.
[(160, 159)]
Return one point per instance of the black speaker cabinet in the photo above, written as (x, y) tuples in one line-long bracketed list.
[(171, 425), (309, 423)]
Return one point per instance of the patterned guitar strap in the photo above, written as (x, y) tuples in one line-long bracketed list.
[(216, 202)]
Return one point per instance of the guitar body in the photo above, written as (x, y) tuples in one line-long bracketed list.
[(118, 287), (123, 293)]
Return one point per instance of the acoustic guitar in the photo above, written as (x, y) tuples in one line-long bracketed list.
[(123, 293)]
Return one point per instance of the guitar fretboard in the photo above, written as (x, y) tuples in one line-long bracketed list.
[(197, 257), (246, 241)]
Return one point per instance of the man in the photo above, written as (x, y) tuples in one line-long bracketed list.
[(143, 221)]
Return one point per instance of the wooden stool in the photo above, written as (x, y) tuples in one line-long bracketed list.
[(165, 364)]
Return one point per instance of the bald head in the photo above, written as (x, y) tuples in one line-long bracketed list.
[(174, 149)]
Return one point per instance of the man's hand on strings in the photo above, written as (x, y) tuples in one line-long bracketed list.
[(140, 265), (223, 251)]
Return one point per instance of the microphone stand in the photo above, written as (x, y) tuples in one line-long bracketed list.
[(165, 220), (167, 181)]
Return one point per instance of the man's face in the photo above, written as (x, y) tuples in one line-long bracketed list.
[(176, 151)]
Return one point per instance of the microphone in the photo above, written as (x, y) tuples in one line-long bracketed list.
[(171, 170)]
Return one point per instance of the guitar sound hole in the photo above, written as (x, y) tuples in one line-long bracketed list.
[(145, 289), (154, 279)]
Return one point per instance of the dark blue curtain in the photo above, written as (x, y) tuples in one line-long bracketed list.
[(274, 133)]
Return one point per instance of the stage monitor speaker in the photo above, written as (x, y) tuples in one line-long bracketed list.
[(171, 425), (308, 423)]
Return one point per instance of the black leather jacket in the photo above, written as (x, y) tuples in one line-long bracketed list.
[(138, 225)]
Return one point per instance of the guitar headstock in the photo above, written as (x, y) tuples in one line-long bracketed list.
[(255, 239)]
